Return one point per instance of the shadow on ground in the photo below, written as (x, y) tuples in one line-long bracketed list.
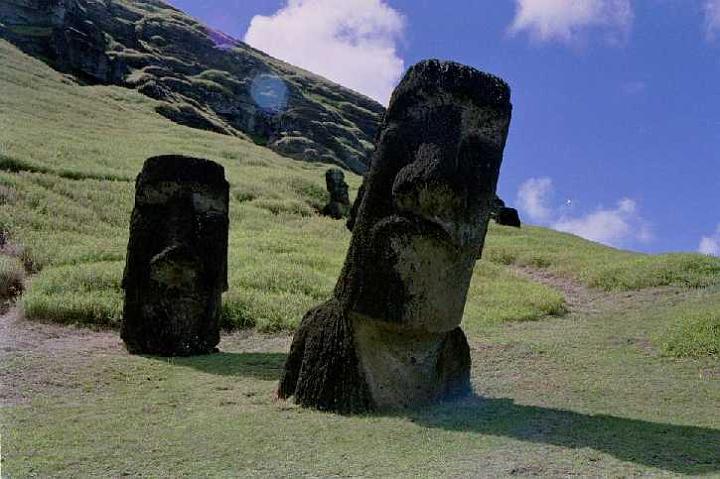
[(265, 366), (673, 448)]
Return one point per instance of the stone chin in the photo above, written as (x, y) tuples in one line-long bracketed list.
[(426, 274), (409, 368)]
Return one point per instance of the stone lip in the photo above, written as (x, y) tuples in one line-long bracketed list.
[(181, 169)]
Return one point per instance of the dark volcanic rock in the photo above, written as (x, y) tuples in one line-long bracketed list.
[(497, 204), (390, 335), (504, 215), (339, 204), (508, 217), (206, 79), (176, 268)]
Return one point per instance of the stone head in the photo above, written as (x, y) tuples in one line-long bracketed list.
[(423, 218), (187, 200)]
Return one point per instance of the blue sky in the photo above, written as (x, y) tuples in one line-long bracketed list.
[(616, 127)]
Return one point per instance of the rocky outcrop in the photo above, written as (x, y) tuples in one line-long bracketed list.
[(201, 78), (176, 268), (390, 336), (338, 206)]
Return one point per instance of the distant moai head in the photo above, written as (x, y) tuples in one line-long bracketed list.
[(338, 205), (336, 186), (424, 213), (176, 266)]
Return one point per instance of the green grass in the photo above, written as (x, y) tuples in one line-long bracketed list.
[(694, 329), (12, 277), (71, 162), (596, 265), (561, 397)]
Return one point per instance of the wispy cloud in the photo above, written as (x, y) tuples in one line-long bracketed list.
[(712, 18), (636, 87), (611, 226), (616, 226), (534, 199), (710, 245), (564, 20), (352, 42)]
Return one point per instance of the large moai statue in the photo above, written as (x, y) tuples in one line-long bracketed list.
[(176, 268), (390, 335)]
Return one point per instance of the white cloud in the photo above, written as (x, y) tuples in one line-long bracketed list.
[(614, 226), (710, 245), (712, 17), (351, 42), (563, 20), (534, 198), (611, 226)]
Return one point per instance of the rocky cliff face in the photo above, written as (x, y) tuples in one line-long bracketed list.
[(202, 78)]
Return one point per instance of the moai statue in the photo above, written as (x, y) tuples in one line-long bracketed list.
[(390, 335), (339, 204), (503, 214), (176, 268), (508, 217)]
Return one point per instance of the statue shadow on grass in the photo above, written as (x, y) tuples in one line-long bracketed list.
[(264, 366), (674, 448)]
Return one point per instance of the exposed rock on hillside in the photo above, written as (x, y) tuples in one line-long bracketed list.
[(203, 79)]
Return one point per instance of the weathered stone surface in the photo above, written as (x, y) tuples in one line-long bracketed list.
[(339, 204), (176, 268), (390, 335), (206, 80), (497, 204), (508, 217), (352, 216)]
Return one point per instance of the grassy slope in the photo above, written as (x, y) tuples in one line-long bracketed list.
[(588, 395), (574, 396), (283, 257)]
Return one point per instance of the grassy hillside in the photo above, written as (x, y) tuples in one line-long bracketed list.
[(585, 389), (68, 158), (200, 77)]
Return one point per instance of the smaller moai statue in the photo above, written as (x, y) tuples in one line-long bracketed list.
[(176, 269), (508, 217), (339, 205)]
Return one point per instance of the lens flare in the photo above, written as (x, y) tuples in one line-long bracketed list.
[(269, 93)]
